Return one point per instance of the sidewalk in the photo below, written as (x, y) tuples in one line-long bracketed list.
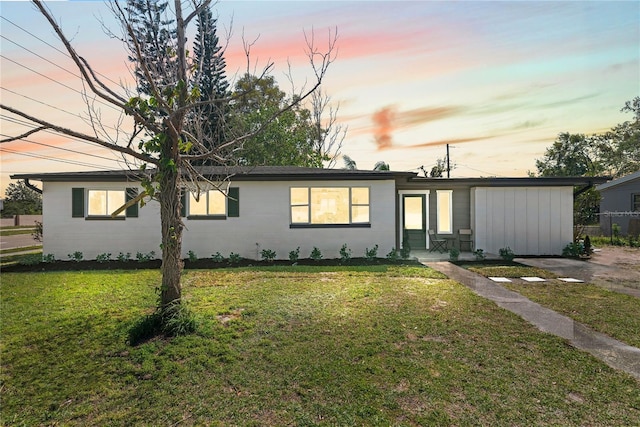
[(614, 353)]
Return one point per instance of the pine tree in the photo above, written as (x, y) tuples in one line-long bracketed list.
[(210, 78), (156, 42)]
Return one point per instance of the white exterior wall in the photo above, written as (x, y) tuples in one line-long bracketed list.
[(63, 235), (264, 219), (529, 220)]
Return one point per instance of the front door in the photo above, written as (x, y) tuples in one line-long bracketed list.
[(413, 221)]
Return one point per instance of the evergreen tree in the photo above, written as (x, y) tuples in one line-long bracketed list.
[(156, 42), (211, 81)]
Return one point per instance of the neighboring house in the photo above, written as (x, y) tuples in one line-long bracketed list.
[(620, 203), (282, 208)]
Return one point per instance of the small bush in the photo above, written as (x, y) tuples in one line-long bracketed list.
[(102, 258), (48, 258), (192, 256), (37, 233), (268, 255), (479, 255), (345, 254), (124, 257), (393, 255), (371, 254), (217, 257), (507, 254), (405, 252), (294, 255), (587, 246), (316, 255), (573, 250), (76, 256), (145, 257), (234, 258), (454, 253)]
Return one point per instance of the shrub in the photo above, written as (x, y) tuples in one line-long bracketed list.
[(294, 255), (217, 257), (507, 254), (48, 258), (454, 253), (37, 232), (371, 254), (192, 256), (587, 246), (145, 257), (101, 258), (573, 250), (345, 254), (234, 258), (316, 255), (76, 256), (406, 248), (268, 255), (479, 255), (124, 257), (393, 255)]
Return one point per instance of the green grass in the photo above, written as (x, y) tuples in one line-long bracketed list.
[(609, 312), (22, 249), (13, 231), (292, 346)]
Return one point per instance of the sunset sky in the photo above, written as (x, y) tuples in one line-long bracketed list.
[(496, 80)]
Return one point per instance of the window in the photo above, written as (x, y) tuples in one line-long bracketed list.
[(329, 205), (214, 204), (635, 202), (444, 205), (100, 204), (105, 202)]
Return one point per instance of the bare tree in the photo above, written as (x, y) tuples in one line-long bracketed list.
[(329, 134), (164, 130)]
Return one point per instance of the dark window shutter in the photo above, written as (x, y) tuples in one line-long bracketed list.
[(77, 202), (233, 202), (183, 203), (132, 211)]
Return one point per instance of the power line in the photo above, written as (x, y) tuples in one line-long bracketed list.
[(53, 159), (50, 45)]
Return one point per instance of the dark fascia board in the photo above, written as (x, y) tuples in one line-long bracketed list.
[(515, 182), (258, 173)]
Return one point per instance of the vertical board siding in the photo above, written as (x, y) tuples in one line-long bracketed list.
[(531, 220)]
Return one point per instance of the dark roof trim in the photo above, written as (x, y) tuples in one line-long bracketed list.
[(514, 182), (258, 173)]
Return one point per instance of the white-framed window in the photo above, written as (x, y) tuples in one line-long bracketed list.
[(105, 202), (444, 209), (329, 205), (209, 203)]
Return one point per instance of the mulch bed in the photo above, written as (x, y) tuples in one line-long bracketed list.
[(205, 264)]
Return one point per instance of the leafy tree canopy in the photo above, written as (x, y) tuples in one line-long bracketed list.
[(286, 141), (21, 200)]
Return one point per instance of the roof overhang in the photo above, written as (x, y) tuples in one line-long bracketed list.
[(242, 173), (573, 181)]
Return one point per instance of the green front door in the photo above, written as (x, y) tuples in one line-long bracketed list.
[(413, 221)]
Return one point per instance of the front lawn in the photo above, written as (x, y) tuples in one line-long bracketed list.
[(376, 345), (608, 312)]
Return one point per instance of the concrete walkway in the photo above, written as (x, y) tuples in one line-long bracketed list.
[(614, 353)]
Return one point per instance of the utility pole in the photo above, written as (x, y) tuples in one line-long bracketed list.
[(448, 164)]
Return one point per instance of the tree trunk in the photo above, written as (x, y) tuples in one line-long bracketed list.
[(171, 223)]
